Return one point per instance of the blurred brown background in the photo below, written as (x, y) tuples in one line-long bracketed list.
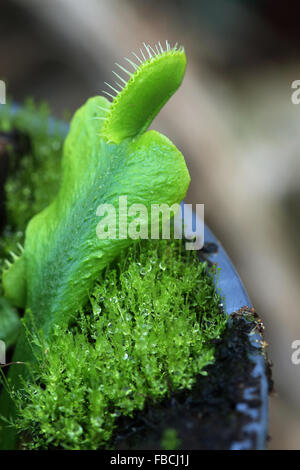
[(233, 119)]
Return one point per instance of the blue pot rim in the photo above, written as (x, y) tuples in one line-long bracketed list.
[(236, 298)]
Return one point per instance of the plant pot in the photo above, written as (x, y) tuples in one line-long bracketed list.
[(228, 409), (253, 404)]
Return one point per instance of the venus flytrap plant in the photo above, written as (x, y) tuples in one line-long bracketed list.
[(108, 153)]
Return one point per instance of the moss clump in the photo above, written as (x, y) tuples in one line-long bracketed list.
[(34, 177), (145, 333), (170, 440)]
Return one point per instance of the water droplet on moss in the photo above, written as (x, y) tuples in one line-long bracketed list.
[(97, 310)]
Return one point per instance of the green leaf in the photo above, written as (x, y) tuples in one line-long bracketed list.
[(9, 323)]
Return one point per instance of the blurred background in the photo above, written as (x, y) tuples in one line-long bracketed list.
[(233, 119)]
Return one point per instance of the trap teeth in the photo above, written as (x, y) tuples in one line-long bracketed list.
[(20, 247), (13, 255)]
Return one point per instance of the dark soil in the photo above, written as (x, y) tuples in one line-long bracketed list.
[(207, 416)]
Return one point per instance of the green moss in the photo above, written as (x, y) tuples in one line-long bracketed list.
[(145, 333), (170, 440)]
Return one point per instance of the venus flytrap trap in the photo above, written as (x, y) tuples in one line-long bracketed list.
[(149, 87), (108, 152)]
